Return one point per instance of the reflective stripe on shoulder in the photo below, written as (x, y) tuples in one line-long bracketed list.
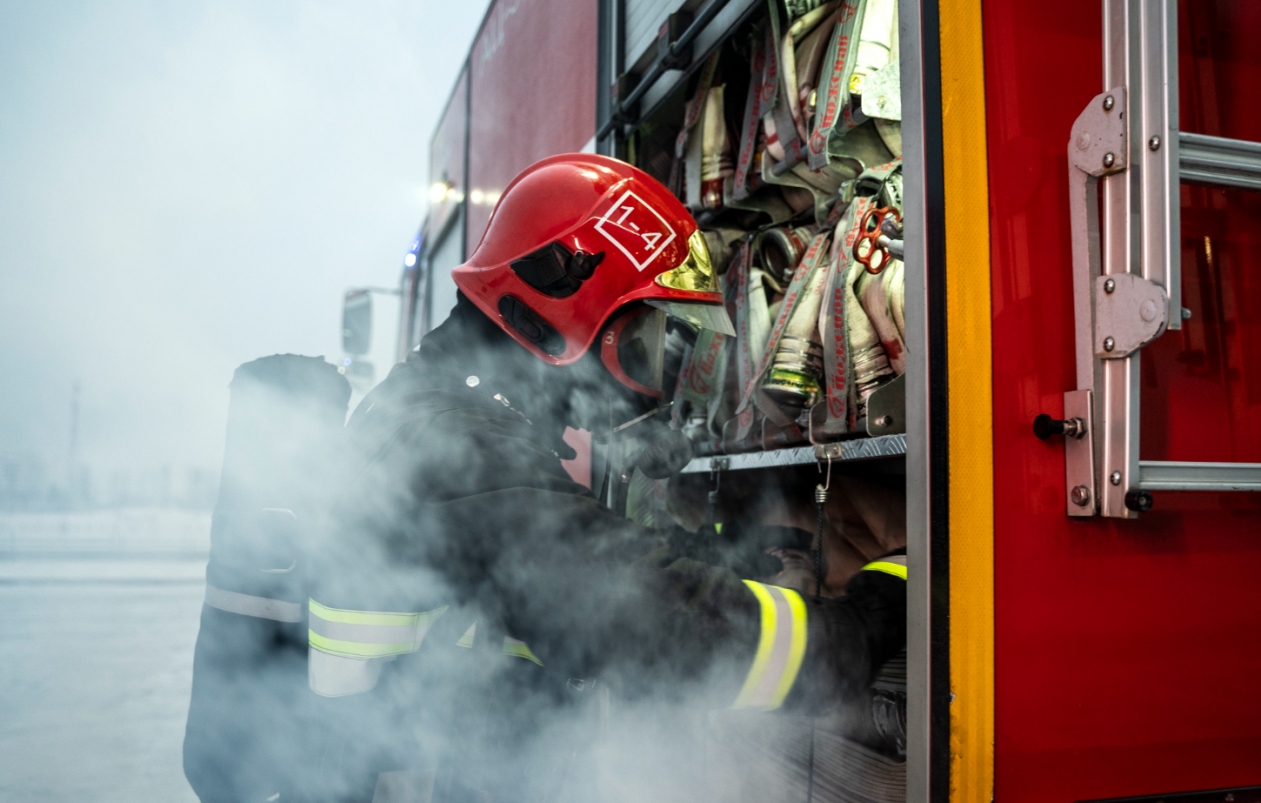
[(247, 605), (780, 648), (519, 649), (368, 634), (893, 564)]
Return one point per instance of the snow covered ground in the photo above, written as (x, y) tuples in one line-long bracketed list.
[(98, 616)]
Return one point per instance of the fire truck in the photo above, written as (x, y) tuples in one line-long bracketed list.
[(997, 257)]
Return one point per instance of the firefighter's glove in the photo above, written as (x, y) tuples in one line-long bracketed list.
[(850, 639), (656, 450)]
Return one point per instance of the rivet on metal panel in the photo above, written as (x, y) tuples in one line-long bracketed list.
[(1109, 344), (1115, 478), (1080, 496), (1109, 286), (1154, 143), (1109, 159), (1186, 314), (1108, 103)]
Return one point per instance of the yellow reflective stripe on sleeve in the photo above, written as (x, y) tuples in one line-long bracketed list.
[(888, 567), (519, 649), (363, 617), (466, 640), (367, 634), (780, 650)]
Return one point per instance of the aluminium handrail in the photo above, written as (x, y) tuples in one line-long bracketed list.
[(659, 67), (1219, 161)]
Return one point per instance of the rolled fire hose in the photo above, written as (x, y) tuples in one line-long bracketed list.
[(870, 362), (779, 251), (795, 380)]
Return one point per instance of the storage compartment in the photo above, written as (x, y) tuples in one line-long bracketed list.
[(783, 137)]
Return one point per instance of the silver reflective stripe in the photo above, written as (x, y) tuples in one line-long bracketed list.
[(774, 668), (367, 634), (780, 650), (258, 607), (338, 676)]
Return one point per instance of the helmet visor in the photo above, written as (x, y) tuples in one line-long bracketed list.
[(706, 316), (633, 350)]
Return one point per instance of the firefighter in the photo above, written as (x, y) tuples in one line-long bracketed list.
[(468, 581)]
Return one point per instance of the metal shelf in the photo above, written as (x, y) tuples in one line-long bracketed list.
[(858, 449)]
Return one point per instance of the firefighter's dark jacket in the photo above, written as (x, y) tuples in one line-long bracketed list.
[(457, 498)]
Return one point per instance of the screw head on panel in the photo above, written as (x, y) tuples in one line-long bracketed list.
[(1186, 314), (1109, 344), (1115, 478), (1109, 159), (1109, 286), (1154, 143), (1108, 103), (1080, 496)]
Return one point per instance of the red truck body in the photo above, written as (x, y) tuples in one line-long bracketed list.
[(1053, 658)]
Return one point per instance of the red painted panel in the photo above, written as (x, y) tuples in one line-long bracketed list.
[(1126, 652), (533, 70), (1202, 386), (446, 157), (1219, 67)]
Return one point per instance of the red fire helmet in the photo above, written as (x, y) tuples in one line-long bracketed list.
[(576, 237)]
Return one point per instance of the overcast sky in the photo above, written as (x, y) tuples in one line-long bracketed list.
[(185, 186)]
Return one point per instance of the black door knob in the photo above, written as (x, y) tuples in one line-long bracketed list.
[(1044, 426), (1138, 501)]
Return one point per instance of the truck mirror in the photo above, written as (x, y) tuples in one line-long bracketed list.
[(357, 322)]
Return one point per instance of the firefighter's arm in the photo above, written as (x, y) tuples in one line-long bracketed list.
[(592, 592)]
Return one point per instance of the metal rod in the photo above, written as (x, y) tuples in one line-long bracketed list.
[(1220, 161), (1156, 475), (659, 67)]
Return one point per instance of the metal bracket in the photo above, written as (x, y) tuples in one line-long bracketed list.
[(1097, 147), (1079, 456), (1130, 312), (1099, 135), (886, 408)]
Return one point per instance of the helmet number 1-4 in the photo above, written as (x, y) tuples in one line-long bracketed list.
[(636, 229)]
